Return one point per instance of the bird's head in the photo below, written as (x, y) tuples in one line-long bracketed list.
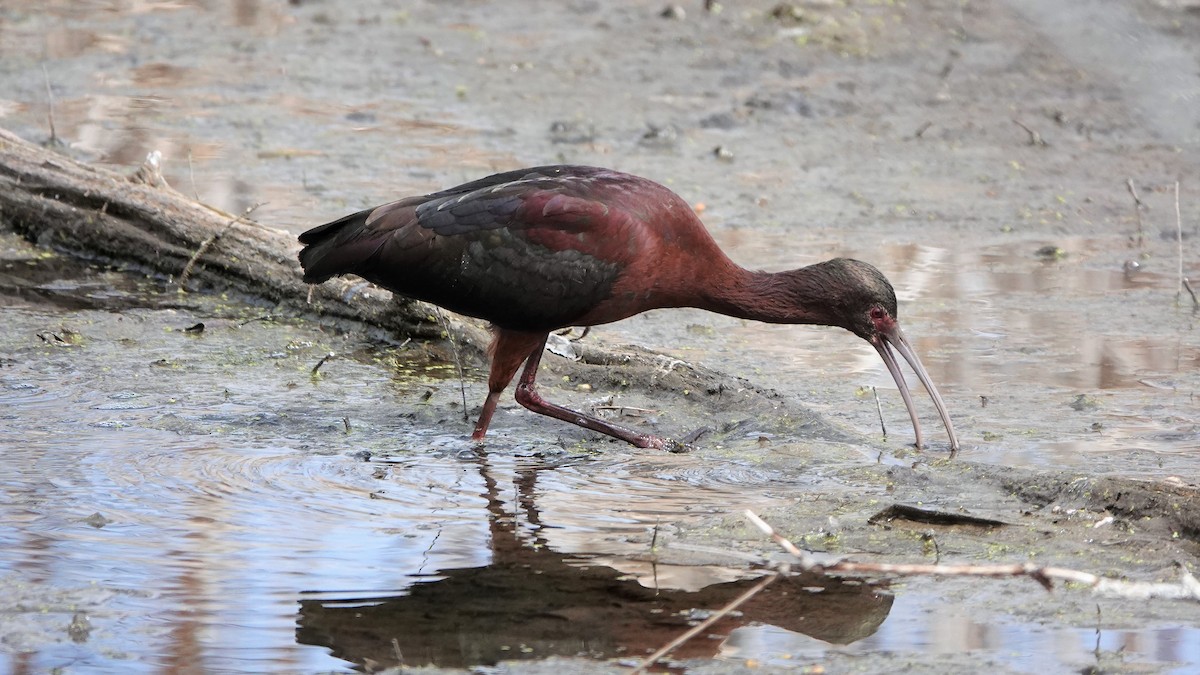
[(856, 296)]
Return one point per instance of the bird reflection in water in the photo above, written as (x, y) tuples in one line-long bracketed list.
[(533, 603)]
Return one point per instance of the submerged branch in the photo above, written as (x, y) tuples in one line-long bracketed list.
[(1188, 587)]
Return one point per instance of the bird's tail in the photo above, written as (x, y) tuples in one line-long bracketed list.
[(330, 249)]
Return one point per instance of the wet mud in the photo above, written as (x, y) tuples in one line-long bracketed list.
[(186, 490)]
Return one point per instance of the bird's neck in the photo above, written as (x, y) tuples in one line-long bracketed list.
[(795, 296)]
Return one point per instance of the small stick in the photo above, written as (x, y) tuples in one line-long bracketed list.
[(1188, 287), (1034, 137), (50, 101), (396, 651), (320, 363), (937, 550), (192, 176), (1179, 241), (879, 407), (704, 625), (626, 409), (264, 317), (807, 562), (1137, 210), (204, 245), (462, 378)]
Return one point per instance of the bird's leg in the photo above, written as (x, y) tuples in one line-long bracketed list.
[(485, 416), (508, 350), (527, 396)]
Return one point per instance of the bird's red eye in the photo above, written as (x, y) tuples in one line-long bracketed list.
[(877, 313)]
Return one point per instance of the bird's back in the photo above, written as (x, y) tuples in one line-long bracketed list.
[(532, 249)]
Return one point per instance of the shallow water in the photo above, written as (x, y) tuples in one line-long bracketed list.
[(178, 501), (197, 497), (916, 626), (196, 506)]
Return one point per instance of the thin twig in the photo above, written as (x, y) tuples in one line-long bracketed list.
[(932, 540), (462, 378), (1137, 210), (879, 407), (1034, 137), (50, 105), (397, 653), (704, 625), (192, 176), (204, 245), (264, 317), (1187, 286), (1179, 241), (320, 363), (807, 562), (626, 409)]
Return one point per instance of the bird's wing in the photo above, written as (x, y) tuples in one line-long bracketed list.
[(524, 250)]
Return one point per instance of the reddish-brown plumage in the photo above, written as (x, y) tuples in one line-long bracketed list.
[(538, 249)]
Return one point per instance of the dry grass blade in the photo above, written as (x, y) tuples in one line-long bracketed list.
[(448, 331), (703, 625), (1187, 286), (1137, 210), (807, 562), (879, 409), (1034, 137), (50, 106), (204, 245), (1179, 243)]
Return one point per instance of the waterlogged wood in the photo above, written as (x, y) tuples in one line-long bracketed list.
[(141, 223)]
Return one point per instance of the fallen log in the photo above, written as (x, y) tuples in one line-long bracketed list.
[(140, 223)]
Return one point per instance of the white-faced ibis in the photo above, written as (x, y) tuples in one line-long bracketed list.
[(536, 250)]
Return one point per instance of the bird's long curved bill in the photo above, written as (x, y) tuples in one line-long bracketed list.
[(884, 344)]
